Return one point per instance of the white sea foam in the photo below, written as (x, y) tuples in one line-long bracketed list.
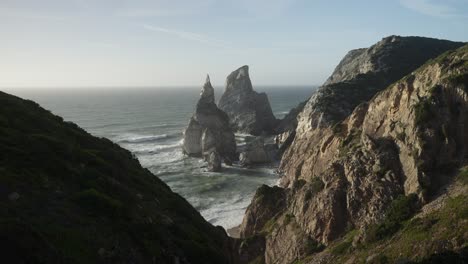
[(141, 138)]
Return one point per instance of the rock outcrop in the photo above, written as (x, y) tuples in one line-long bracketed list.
[(209, 131), (286, 129), (351, 158), (248, 111), (258, 152)]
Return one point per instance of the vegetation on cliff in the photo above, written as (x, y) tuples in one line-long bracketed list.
[(69, 197)]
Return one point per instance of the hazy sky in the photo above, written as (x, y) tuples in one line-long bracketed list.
[(70, 43)]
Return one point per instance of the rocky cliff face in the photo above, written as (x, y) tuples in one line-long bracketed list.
[(350, 158), (248, 111), (209, 133), (360, 75)]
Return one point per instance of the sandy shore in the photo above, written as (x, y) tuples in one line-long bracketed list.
[(234, 232)]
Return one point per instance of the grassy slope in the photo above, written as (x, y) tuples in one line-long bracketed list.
[(84, 199), (425, 238)]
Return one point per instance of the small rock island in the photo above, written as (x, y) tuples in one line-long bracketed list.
[(208, 133)]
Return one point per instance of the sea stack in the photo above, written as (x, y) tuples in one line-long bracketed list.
[(248, 111), (208, 133)]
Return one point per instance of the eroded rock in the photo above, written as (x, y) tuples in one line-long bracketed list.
[(248, 111), (209, 130)]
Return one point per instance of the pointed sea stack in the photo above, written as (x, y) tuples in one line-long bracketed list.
[(208, 130), (249, 111)]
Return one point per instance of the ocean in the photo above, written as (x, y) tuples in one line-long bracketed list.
[(149, 122)]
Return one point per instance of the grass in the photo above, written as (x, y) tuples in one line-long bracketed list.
[(344, 244), (400, 210), (463, 175), (314, 246)]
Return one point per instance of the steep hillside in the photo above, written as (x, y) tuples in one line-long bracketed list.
[(69, 197), (373, 170)]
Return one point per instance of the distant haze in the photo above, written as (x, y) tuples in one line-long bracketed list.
[(69, 44)]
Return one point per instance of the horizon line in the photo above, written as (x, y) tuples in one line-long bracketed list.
[(143, 86)]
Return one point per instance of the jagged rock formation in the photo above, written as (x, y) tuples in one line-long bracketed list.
[(69, 197), (286, 129), (209, 131), (350, 159), (248, 111), (357, 79)]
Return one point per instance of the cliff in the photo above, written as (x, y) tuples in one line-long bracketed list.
[(370, 166), (358, 77), (69, 197), (248, 111)]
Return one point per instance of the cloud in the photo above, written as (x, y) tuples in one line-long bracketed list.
[(427, 7), (187, 35)]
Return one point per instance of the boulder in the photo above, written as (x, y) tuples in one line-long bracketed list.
[(257, 152), (248, 111), (214, 161), (208, 129)]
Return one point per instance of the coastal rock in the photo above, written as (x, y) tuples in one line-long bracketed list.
[(267, 203), (214, 162), (208, 129), (358, 77), (286, 129), (350, 159), (257, 152), (248, 111)]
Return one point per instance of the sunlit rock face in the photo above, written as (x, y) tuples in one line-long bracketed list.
[(362, 141), (249, 112), (208, 129)]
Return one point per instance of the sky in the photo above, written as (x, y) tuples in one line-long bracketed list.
[(132, 43)]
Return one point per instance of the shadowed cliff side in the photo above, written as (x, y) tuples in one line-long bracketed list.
[(69, 197)]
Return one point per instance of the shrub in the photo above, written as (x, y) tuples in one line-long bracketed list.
[(423, 112), (400, 210), (314, 246)]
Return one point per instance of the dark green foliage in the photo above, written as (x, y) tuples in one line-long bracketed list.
[(317, 184), (400, 210), (84, 199), (314, 246), (380, 259), (423, 112), (463, 175), (288, 218), (342, 247), (337, 128), (446, 257)]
